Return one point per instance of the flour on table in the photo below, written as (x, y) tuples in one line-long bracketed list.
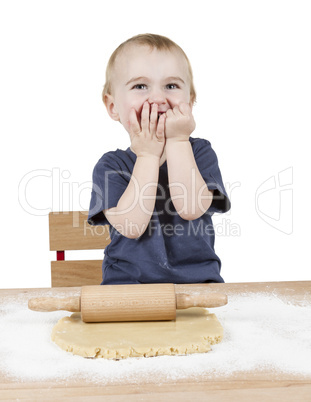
[(261, 332)]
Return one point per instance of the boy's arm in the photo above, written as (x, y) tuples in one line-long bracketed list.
[(136, 205), (189, 192)]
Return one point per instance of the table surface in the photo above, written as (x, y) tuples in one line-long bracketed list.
[(255, 386)]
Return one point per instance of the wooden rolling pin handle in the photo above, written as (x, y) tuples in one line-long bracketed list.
[(210, 300), (45, 304)]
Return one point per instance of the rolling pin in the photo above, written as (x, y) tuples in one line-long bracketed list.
[(141, 302)]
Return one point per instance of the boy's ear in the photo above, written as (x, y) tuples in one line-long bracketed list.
[(111, 108), (192, 101)]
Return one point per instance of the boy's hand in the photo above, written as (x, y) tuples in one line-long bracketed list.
[(148, 137), (179, 123)]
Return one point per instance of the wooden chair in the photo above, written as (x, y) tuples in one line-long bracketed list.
[(70, 231)]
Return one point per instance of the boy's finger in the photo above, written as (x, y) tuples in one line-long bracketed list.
[(161, 128), (169, 112), (153, 118), (176, 110), (145, 117), (134, 125)]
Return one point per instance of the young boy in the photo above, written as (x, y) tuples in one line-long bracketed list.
[(158, 195)]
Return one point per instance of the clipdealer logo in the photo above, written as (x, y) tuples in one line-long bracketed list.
[(273, 198), (274, 201)]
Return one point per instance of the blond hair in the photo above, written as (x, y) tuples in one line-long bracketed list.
[(158, 42)]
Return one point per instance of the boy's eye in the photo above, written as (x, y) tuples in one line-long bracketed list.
[(140, 86), (171, 86)]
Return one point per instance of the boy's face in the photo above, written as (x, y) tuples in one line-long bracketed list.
[(145, 74)]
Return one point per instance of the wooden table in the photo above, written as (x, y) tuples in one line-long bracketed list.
[(253, 386)]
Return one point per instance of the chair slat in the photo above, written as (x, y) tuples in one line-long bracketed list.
[(76, 273), (70, 231)]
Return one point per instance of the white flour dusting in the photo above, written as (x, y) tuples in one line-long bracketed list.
[(261, 332)]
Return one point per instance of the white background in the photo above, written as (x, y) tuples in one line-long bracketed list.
[(251, 62)]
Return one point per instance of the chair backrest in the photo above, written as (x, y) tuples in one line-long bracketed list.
[(70, 231)]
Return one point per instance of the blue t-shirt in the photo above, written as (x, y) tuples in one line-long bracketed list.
[(171, 250)]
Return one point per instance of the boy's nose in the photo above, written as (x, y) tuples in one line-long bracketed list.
[(157, 97)]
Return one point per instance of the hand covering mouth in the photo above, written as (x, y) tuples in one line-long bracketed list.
[(160, 114)]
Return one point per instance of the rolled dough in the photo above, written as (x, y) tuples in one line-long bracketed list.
[(193, 331)]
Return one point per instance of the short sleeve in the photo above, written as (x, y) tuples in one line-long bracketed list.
[(207, 162), (110, 180)]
